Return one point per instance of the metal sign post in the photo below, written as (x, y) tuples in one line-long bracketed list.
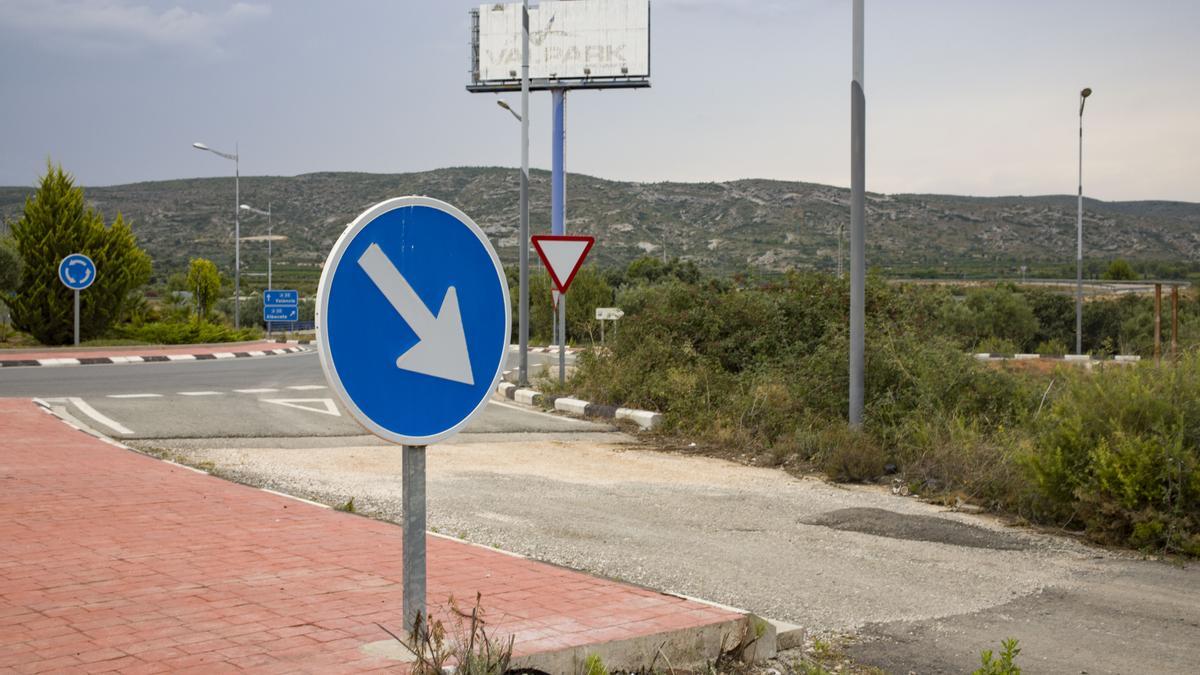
[(77, 272), (562, 254), (413, 498), (413, 311)]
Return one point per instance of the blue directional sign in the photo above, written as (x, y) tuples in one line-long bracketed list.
[(281, 297), (281, 306), (77, 271), (414, 318)]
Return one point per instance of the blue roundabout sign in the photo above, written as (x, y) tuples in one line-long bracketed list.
[(413, 317)]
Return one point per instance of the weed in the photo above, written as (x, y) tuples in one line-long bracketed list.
[(1003, 665), (348, 506), (594, 665), (472, 649)]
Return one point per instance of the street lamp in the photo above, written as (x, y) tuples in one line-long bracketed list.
[(504, 104), (237, 229), (523, 248), (267, 213), (1083, 95)]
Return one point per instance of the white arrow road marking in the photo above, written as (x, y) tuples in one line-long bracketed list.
[(135, 395), (441, 349), (324, 406), (102, 419)]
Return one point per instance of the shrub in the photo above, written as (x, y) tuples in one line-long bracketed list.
[(195, 332), (57, 221), (1120, 450)]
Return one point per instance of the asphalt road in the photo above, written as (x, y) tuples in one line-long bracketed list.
[(277, 396)]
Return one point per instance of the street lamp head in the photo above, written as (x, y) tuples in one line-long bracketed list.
[(503, 104), (1087, 91), (246, 207), (200, 146)]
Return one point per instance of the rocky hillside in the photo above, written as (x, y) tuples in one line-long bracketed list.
[(747, 224)]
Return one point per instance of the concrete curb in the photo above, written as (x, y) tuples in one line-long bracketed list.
[(645, 419), (1084, 358), (148, 358)]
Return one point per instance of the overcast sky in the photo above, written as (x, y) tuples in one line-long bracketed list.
[(963, 96)]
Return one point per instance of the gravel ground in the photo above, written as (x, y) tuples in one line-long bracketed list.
[(799, 550)]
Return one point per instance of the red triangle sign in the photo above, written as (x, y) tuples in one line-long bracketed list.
[(562, 255)]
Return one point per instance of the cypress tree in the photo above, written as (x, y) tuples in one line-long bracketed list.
[(56, 223)]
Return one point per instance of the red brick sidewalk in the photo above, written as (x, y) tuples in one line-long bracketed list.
[(113, 561)]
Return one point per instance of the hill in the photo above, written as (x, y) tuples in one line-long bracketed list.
[(763, 225)]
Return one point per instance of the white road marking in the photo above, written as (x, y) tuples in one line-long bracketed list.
[(265, 390), (199, 393), (326, 405), (135, 395), (96, 415), (307, 387)]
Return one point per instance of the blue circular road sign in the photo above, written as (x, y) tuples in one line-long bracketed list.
[(77, 271), (413, 317)]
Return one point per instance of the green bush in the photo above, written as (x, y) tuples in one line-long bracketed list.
[(763, 371), (1119, 450), (192, 332)]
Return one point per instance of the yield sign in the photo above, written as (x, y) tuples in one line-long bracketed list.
[(563, 255)]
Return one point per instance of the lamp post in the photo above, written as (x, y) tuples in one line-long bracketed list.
[(1083, 95), (237, 229), (858, 144), (267, 213)]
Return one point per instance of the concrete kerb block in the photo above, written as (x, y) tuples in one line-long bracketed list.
[(528, 396), (571, 405), (1077, 357), (643, 418), (1027, 357), (506, 389), (685, 647)]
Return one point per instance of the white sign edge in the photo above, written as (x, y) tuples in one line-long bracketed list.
[(322, 305)]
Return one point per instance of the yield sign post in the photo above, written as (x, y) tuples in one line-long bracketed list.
[(563, 255)]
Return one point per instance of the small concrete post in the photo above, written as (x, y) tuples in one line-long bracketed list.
[(1157, 321), (1174, 322)]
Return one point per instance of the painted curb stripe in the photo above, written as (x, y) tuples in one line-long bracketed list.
[(153, 358)]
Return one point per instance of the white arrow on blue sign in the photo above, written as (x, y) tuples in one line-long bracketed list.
[(414, 318), (77, 271)]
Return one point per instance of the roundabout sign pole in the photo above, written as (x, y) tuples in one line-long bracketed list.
[(77, 272), (413, 316)]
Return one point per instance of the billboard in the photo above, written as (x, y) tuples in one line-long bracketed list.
[(573, 44)]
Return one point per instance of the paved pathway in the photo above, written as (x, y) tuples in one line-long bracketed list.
[(113, 561)]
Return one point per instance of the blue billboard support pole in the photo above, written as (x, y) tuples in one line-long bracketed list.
[(558, 224)]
